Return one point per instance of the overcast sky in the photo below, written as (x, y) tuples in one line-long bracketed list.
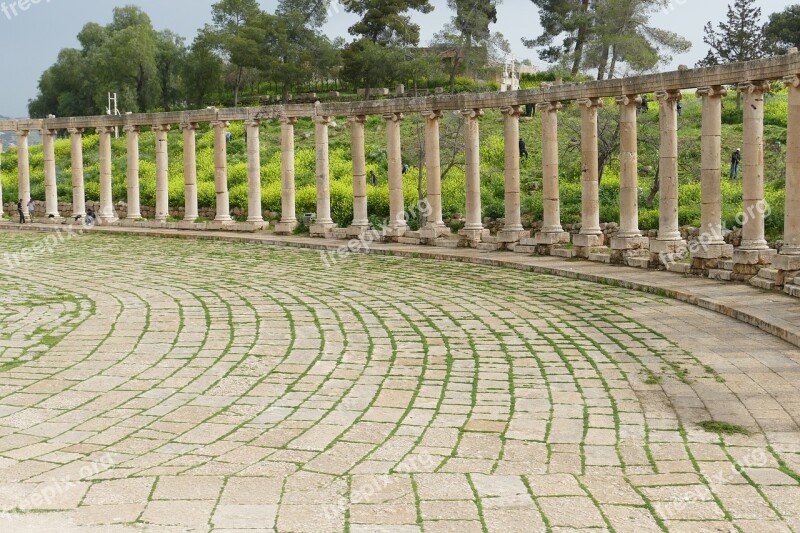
[(31, 39)]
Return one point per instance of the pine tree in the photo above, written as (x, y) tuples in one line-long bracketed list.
[(739, 38)]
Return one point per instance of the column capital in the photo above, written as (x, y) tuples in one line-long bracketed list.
[(220, 124), (105, 129), (49, 131), (669, 96), (432, 114), (189, 125), (792, 81), (549, 107), (752, 87), (323, 120), (22, 133), (589, 103), (253, 122), (394, 117), (713, 91), (75, 131), (628, 99), (357, 119), (473, 114), (162, 127), (131, 128), (289, 121), (512, 111)]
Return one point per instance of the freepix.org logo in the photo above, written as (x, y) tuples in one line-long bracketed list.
[(18, 7)]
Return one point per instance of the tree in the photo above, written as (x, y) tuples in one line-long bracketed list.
[(384, 24), (230, 19), (200, 73), (783, 28), (739, 38), (468, 36), (170, 55), (571, 19)]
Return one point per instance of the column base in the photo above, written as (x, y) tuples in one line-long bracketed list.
[(394, 232), (754, 257), (322, 230), (676, 246), (512, 236), (432, 233), (58, 219), (473, 236), (105, 221), (587, 241), (630, 243), (551, 239), (286, 228), (357, 231), (712, 251)]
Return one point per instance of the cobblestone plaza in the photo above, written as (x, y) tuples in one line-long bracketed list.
[(175, 385)]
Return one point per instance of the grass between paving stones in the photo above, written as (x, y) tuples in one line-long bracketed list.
[(724, 428)]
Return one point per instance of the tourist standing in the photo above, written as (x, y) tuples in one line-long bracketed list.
[(21, 212), (736, 160), (523, 150), (31, 209)]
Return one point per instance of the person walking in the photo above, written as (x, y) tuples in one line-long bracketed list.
[(21, 212), (31, 209), (523, 150), (373, 179), (736, 160)]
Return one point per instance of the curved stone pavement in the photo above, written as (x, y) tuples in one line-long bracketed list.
[(162, 385)]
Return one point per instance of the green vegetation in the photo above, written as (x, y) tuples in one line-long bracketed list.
[(724, 428)]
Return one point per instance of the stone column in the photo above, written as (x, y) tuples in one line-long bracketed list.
[(789, 258), (254, 213), (24, 170), (753, 166), (221, 172), (324, 224), (162, 172), (669, 235), (134, 198), (629, 234), (76, 157), (360, 214), (552, 231), (712, 244), (190, 171), (590, 234), (50, 184), (512, 230), (106, 212), (397, 217), (288, 221), (473, 231), (433, 169)]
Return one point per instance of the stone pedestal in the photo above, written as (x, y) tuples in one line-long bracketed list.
[(630, 243), (585, 243), (431, 233), (747, 263), (286, 228), (507, 236), (472, 237), (322, 229), (550, 239)]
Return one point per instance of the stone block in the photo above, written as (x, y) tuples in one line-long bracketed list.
[(792, 290), (322, 230), (667, 247), (409, 240), (551, 238), (446, 243), (508, 236), (600, 257), (726, 265), (754, 257), (720, 275), (524, 249), (286, 228), (567, 253), (474, 235), (339, 233), (587, 241), (356, 231), (786, 262), (762, 283), (639, 262), (395, 232), (712, 251), (433, 232), (630, 243), (487, 247), (679, 268)]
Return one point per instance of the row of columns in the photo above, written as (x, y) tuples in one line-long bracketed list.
[(669, 238)]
